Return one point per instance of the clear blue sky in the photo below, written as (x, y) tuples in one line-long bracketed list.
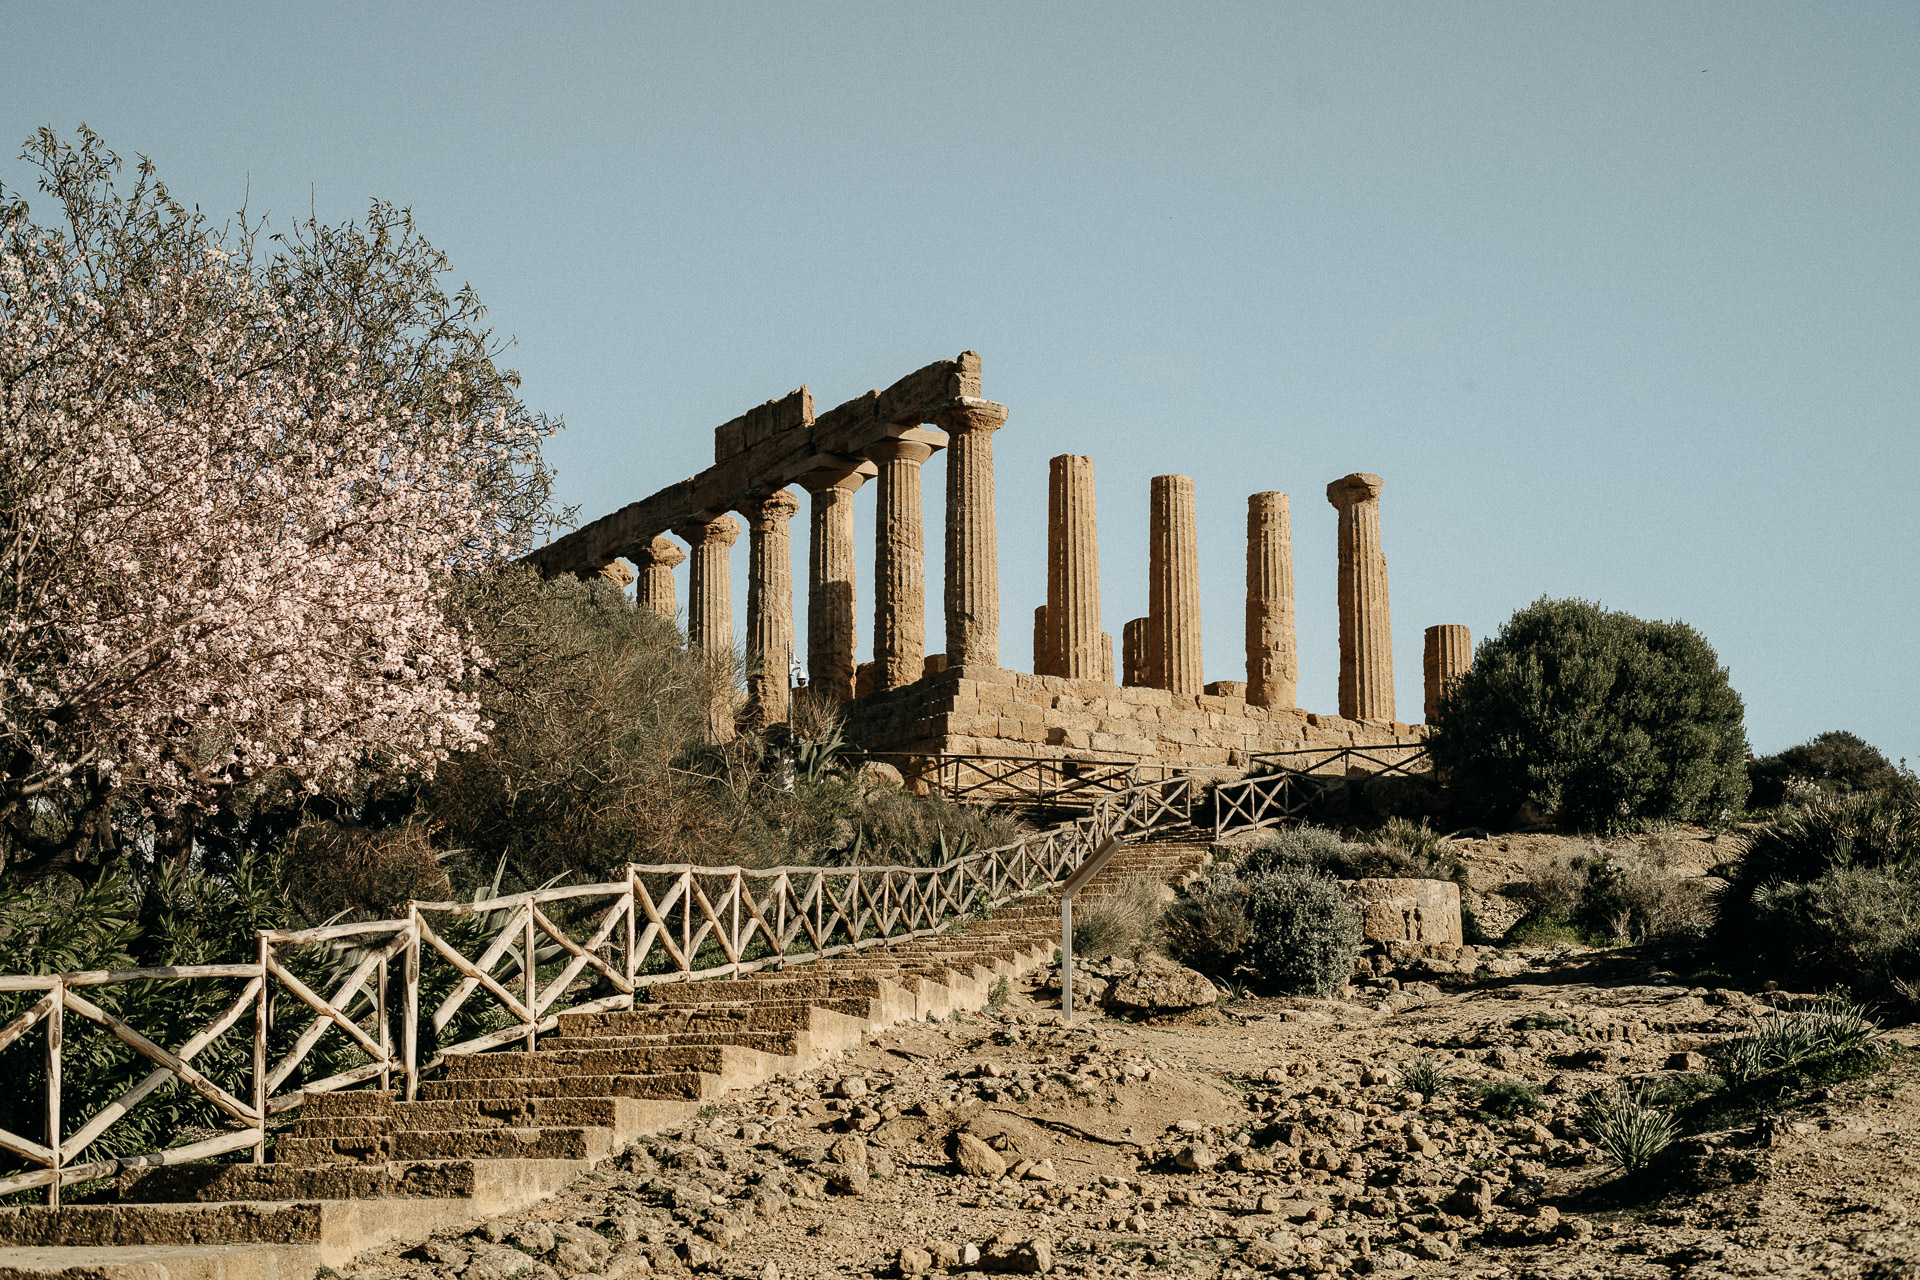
[(1621, 299)]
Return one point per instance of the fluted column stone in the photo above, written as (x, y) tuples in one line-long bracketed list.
[(655, 563), (1366, 631), (1073, 570), (769, 604), (710, 612), (1448, 656), (1273, 672), (900, 565), (1133, 653), (973, 560), (831, 623), (1043, 657), (1173, 588)]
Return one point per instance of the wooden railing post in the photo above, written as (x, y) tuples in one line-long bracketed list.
[(633, 910), (260, 1008), (532, 983), (410, 1028), (55, 1029)]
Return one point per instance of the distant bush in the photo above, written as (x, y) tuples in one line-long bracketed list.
[(1605, 892), (1595, 719), (1287, 928), (1118, 923), (366, 874), (1399, 849), (1302, 934), (1830, 896), (1206, 927), (1837, 762)]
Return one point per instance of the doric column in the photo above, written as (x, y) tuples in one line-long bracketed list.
[(899, 565), (1449, 655), (1173, 588), (1272, 666), (1366, 633), (1106, 658), (1043, 656), (1073, 569), (830, 578), (710, 611), (769, 603), (973, 558), (1133, 653), (656, 560)]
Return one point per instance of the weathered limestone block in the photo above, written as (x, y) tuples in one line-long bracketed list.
[(1133, 653), (1043, 656), (1448, 656), (1073, 570), (1272, 661), (900, 564), (655, 560), (830, 576), (972, 553), (769, 604), (1366, 633), (710, 611), (1403, 910), (1235, 689), (1173, 587), (614, 571)]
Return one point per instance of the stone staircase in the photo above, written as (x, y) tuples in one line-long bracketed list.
[(497, 1132)]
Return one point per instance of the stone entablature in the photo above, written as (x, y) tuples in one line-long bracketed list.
[(990, 711)]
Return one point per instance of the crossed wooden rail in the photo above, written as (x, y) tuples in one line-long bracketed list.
[(505, 969), (1290, 784), (1038, 779)]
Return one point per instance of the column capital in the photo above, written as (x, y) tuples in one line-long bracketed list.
[(966, 415), (660, 550), (723, 531), (834, 471), (764, 510), (1351, 490), (897, 450)]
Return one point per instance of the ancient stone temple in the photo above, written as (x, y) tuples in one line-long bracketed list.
[(1153, 704)]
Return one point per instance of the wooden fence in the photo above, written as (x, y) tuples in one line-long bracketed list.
[(1289, 785), (498, 974), (1049, 780)]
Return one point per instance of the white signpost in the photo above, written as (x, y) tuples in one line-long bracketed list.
[(1083, 873)]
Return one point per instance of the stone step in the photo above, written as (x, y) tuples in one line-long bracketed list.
[(559, 1143), (688, 1087)]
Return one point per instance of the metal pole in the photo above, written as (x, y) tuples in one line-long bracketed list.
[(1066, 958)]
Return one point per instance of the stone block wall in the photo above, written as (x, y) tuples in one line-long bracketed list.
[(978, 710)]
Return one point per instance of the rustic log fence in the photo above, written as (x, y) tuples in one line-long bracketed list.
[(509, 967), (1046, 780), (1289, 785)]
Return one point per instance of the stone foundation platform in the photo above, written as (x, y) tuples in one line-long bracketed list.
[(975, 710)]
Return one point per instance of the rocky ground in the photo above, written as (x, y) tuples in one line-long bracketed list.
[(1258, 1136), (1266, 1137)]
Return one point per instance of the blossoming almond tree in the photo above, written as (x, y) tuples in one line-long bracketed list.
[(229, 512)]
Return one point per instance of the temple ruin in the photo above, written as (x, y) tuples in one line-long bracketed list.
[(1152, 705)]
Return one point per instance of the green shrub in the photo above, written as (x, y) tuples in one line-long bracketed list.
[(1505, 1099), (1837, 763), (1117, 923), (1303, 936), (1607, 892), (1829, 896), (1624, 1123), (1287, 928), (1206, 927), (1424, 1076), (1399, 849), (1595, 719), (1783, 1041)]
